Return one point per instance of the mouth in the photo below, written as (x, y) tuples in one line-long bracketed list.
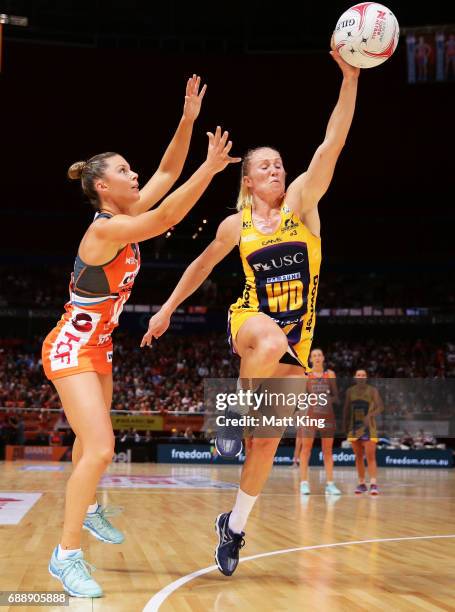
[(136, 187)]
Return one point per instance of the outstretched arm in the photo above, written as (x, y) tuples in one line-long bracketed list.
[(227, 237), (121, 229), (174, 157), (305, 192)]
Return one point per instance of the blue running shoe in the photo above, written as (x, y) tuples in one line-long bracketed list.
[(304, 488), (229, 545), (99, 526), (228, 441), (332, 489), (74, 575)]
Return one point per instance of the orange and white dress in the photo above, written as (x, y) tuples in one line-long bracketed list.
[(82, 339), (321, 384)]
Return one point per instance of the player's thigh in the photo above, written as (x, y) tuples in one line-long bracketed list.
[(357, 447), (254, 330), (370, 449), (107, 386), (83, 401)]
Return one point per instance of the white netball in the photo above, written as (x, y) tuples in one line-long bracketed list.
[(366, 35)]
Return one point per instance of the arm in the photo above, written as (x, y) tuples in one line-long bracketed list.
[(226, 238), (305, 192), (378, 405), (122, 229), (174, 157)]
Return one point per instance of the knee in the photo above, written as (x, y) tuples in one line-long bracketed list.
[(272, 346), (102, 454)]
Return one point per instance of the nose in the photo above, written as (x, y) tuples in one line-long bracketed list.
[(134, 175)]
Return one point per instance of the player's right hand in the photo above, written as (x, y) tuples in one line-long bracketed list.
[(158, 324), (218, 154)]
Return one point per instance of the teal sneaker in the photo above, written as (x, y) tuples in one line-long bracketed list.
[(332, 489), (74, 574), (304, 488), (99, 526)]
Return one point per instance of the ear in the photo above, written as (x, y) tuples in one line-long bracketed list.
[(247, 181), (101, 186)]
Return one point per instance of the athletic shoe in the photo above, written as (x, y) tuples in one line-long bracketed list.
[(304, 488), (228, 441), (229, 545), (374, 489), (332, 489), (74, 575), (361, 488), (99, 526)]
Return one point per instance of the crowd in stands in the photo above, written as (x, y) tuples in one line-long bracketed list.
[(25, 287), (169, 377)]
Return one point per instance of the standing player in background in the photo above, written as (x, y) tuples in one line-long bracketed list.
[(322, 383), (362, 404), (271, 325), (77, 353)]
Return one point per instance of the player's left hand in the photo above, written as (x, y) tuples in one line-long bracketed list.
[(193, 98), (158, 324), (346, 69)]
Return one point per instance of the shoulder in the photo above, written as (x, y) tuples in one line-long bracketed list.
[(230, 227), (331, 374)]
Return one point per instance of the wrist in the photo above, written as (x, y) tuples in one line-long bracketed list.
[(208, 168), (186, 121), (168, 308)]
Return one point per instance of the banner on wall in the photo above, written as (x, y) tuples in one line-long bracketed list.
[(141, 422)]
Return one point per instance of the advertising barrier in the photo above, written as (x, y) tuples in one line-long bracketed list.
[(205, 454)]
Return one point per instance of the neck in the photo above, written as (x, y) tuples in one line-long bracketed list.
[(264, 207), (109, 207)]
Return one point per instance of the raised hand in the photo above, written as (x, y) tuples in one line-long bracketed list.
[(218, 154), (158, 324), (193, 98), (346, 69)]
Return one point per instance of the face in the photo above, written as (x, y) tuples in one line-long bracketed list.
[(266, 175), (361, 376), (317, 358), (119, 183)]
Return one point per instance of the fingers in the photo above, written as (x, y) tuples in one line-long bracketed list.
[(147, 339), (203, 90), (234, 160)]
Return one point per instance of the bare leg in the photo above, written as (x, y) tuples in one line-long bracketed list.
[(84, 405), (261, 344), (370, 452), (327, 447), (305, 453), (106, 384), (357, 447)]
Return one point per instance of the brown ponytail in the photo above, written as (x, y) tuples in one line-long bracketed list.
[(88, 172)]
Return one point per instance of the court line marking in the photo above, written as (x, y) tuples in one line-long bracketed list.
[(155, 602)]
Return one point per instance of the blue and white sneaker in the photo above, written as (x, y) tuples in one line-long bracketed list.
[(99, 526), (228, 441), (229, 545), (74, 575), (304, 488), (332, 489)]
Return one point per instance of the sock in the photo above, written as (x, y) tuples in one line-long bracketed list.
[(241, 511), (92, 508), (304, 482), (372, 481), (330, 482), (63, 554), (243, 408)]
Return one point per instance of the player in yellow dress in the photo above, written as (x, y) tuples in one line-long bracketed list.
[(271, 325), (362, 404)]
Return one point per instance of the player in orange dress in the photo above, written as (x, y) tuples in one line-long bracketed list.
[(77, 353), (322, 383)]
